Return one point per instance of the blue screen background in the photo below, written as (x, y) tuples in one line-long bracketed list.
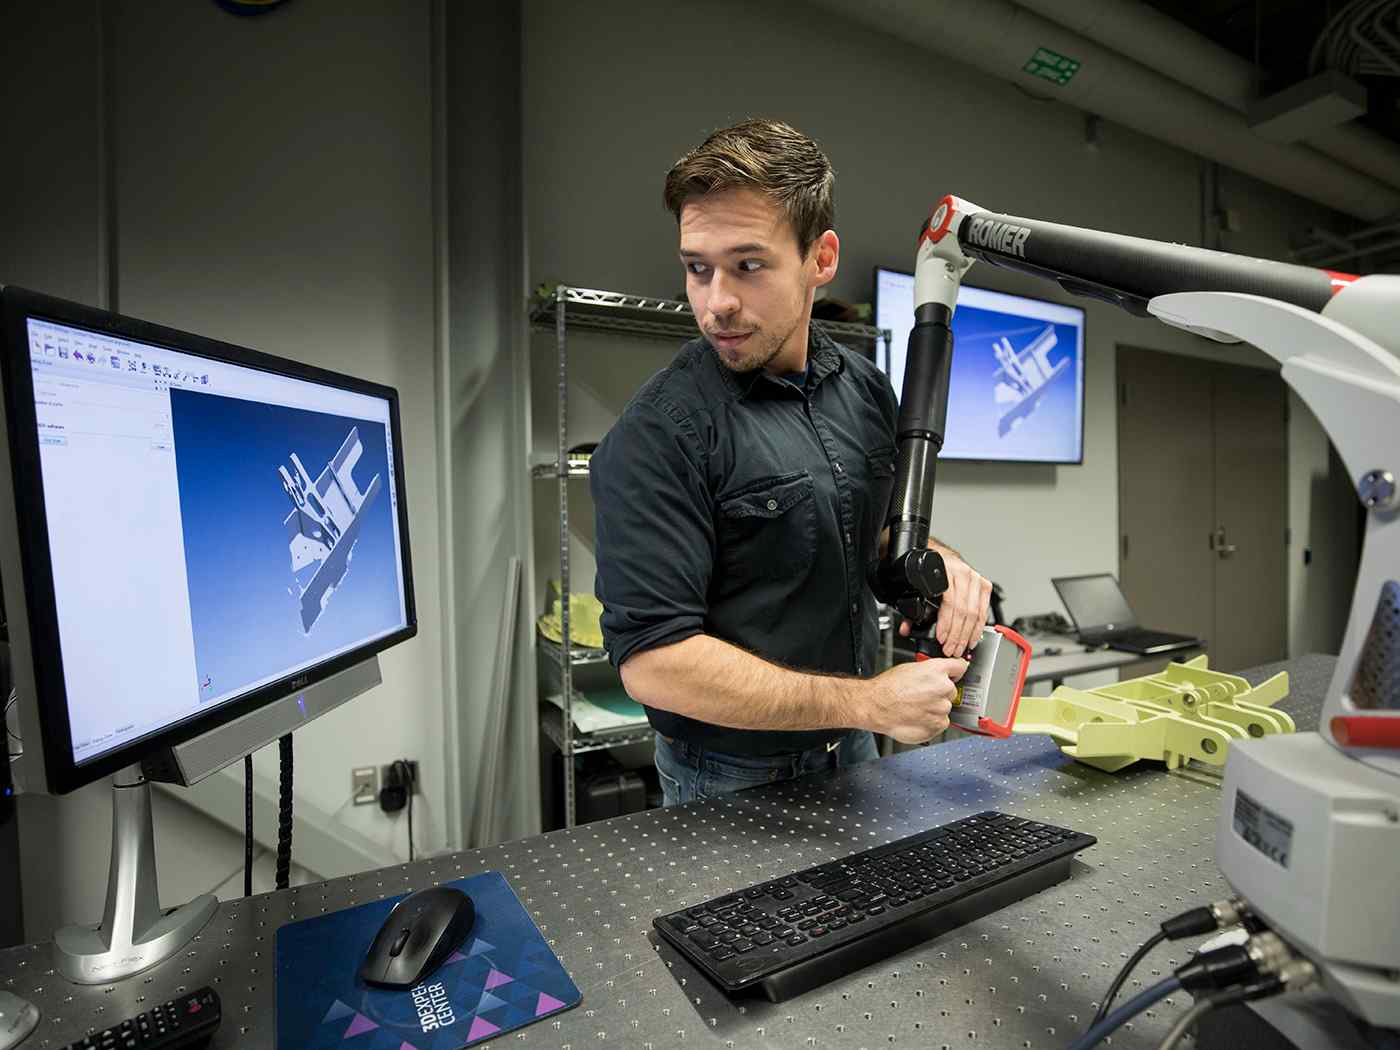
[(246, 618), (1051, 431)]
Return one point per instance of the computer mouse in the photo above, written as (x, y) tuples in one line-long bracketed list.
[(17, 1019), (420, 933)]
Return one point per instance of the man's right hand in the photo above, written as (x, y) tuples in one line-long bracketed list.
[(910, 702)]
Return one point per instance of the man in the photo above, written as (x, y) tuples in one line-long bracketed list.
[(739, 500)]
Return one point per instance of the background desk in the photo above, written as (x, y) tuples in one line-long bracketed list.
[(1026, 976), (1074, 659)]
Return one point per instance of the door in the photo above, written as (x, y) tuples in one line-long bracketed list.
[(1166, 491), (1251, 510), (1203, 502)]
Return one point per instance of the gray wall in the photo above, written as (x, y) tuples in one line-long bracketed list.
[(612, 99)]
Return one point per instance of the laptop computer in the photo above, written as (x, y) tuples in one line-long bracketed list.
[(1102, 616)]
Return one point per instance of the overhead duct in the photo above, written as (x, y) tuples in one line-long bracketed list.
[(1000, 39), (1144, 34)]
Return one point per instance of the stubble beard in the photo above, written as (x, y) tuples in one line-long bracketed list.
[(768, 348)]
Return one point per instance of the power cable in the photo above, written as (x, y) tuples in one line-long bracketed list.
[(248, 824), (284, 813), (1125, 1013)]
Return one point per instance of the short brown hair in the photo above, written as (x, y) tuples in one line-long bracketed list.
[(774, 158)]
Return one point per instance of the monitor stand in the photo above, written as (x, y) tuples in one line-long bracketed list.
[(134, 934)]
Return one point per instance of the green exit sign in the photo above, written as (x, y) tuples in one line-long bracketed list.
[(1051, 65)]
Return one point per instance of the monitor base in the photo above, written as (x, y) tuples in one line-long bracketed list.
[(134, 934)]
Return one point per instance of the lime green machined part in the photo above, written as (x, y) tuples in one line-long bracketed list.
[(1186, 711)]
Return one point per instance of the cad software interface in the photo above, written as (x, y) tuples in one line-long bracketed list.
[(1016, 388), (212, 528)]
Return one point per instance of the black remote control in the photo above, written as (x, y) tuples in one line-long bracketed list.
[(188, 1021)]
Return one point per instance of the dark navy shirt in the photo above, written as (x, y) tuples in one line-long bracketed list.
[(746, 507)]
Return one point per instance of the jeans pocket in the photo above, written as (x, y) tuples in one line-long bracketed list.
[(724, 776), (671, 794)]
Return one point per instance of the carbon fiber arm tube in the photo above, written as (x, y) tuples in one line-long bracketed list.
[(923, 416), (1129, 271), (910, 576)]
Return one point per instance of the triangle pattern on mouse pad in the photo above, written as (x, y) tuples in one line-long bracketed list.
[(502, 977)]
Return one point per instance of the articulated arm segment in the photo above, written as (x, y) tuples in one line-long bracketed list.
[(1129, 271)]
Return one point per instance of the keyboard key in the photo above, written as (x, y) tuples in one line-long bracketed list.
[(721, 954), (763, 938), (877, 909), (806, 924), (796, 939), (818, 931), (743, 946)]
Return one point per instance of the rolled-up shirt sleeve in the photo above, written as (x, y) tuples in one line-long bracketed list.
[(655, 529)]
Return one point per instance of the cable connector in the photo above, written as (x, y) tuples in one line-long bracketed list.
[(1208, 919), (1213, 970), (1260, 960), (1269, 953)]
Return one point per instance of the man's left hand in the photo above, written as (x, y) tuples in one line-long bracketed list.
[(965, 607)]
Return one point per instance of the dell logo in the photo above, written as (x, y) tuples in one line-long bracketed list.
[(300, 681)]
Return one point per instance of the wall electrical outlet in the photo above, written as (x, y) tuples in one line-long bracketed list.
[(364, 785)]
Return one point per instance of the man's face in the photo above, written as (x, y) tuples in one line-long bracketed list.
[(749, 285)]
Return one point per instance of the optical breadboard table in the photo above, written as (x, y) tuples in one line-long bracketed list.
[(1024, 977)]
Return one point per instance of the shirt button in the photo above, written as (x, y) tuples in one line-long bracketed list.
[(860, 669), (772, 504), (839, 468), (848, 539), (855, 607)]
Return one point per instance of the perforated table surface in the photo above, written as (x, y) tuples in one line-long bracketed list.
[(1028, 976)]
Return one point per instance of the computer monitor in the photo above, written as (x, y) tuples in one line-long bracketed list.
[(1016, 391), (198, 530), (202, 546)]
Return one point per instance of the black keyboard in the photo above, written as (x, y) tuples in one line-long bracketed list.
[(792, 934), (188, 1021)]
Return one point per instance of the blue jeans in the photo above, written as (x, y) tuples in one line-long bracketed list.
[(689, 772)]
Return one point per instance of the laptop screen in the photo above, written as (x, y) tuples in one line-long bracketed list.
[(1095, 603)]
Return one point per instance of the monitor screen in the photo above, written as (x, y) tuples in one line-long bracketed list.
[(212, 527), (1017, 386), (1094, 602)]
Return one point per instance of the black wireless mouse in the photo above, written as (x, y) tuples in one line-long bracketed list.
[(420, 933)]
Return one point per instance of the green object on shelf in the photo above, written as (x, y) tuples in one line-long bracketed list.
[(1186, 711), (617, 701), (585, 613)]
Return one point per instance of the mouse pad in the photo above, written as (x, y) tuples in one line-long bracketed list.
[(503, 977)]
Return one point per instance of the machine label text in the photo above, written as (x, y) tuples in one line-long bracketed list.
[(1263, 829), (1000, 236)]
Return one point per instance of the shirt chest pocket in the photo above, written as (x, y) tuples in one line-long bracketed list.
[(769, 529)]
